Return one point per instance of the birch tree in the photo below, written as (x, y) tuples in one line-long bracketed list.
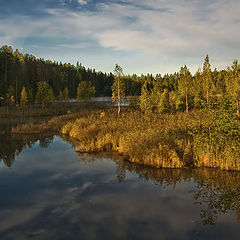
[(118, 90)]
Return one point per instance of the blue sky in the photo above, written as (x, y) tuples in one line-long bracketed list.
[(142, 36)]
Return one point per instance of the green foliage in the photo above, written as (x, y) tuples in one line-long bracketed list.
[(134, 103), (44, 93), (164, 103), (199, 101), (85, 91), (146, 99), (179, 102), (18, 70), (207, 81), (233, 84), (202, 90), (225, 128), (24, 97), (185, 85)]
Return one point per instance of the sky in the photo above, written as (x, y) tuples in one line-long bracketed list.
[(142, 36)]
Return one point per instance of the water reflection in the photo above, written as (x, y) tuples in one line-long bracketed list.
[(12, 145), (216, 191), (51, 192)]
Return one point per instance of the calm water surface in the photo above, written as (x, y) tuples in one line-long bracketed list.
[(48, 191)]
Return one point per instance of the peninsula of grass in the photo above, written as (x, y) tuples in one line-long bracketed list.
[(179, 140)]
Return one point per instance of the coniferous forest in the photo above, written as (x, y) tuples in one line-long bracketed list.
[(18, 71), (181, 91)]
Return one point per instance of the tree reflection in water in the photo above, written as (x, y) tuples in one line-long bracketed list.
[(12, 145), (216, 191)]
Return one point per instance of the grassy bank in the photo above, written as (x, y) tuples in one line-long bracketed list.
[(160, 140)]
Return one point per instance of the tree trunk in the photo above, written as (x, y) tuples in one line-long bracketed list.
[(5, 71), (238, 111), (16, 96), (119, 107), (186, 103), (119, 98)]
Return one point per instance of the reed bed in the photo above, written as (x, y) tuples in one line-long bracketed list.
[(153, 139), (161, 140)]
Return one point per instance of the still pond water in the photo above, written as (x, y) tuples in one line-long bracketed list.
[(48, 191)]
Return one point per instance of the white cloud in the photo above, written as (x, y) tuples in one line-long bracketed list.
[(177, 29), (82, 2)]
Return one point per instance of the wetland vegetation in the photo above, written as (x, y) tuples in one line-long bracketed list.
[(177, 120)]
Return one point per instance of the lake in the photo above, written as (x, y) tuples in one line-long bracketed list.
[(48, 191)]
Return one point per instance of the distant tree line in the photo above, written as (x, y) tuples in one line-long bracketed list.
[(183, 91), (26, 79), (18, 71)]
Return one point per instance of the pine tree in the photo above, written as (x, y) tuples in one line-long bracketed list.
[(164, 104), (207, 79), (145, 102), (24, 98), (198, 90), (185, 85)]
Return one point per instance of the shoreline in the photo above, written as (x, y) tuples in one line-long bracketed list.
[(159, 140)]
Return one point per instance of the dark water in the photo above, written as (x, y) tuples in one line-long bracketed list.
[(50, 192)]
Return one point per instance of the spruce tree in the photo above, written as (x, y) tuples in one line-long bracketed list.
[(185, 85), (207, 82), (164, 104)]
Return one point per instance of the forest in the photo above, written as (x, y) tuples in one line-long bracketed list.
[(18, 71), (22, 75), (175, 120)]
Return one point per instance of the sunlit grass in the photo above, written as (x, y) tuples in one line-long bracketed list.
[(160, 140)]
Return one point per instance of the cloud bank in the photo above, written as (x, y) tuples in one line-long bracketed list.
[(173, 32)]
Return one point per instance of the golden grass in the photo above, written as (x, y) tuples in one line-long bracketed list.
[(153, 139), (160, 140)]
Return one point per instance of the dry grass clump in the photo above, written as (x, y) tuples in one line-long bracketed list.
[(159, 140)]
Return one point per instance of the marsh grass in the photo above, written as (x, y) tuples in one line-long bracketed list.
[(160, 140)]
